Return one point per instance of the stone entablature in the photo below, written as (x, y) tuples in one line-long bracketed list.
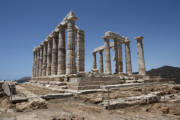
[(53, 58)]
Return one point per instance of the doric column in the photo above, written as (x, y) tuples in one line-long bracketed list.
[(101, 67), (140, 52), (80, 51), (33, 67), (116, 56), (41, 60), (44, 58), (94, 60), (107, 56), (71, 66), (49, 54), (120, 58), (61, 52), (54, 56), (128, 57), (37, 62)]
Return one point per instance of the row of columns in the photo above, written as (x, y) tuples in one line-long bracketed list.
[(118, 57), (51, 56)]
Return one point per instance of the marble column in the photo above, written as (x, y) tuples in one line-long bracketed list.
[(44, 58), (49, 54), (33, 67), (41, 60), (54, 56), (140, 52), (120, 58), (107, 56), (80, 51), (116, 56), (61, 52), (94, 61), (101, 67), (71, 66), (128, 57), (37, 66)]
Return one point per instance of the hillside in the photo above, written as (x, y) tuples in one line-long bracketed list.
[(166, 72)]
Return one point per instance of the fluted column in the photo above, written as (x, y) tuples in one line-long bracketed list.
[(61, 52), (49, 54), (94, 61), (128, 57), (116, 56), (44, 58), (107, 56), (71, 66), (54, 56), (35, 62), (101, 67), (140, 51), (120, 58), (41, 60), (80, 51), (37, 66), (33, 67)]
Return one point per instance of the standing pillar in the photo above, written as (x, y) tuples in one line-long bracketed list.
[(94, 61), (33, 67), (61, 52), (107, 56), (44, 58), (35, 62), (71, 66), (116, 56), (80, 50), (54, 56), (101, 67), (120, 59), (41, 60), (128, 57), (37, 66), (49, 53), (140, 51)]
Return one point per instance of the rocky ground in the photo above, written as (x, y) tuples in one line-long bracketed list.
[(91, 106)]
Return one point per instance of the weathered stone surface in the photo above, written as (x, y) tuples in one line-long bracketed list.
[(9, 88)]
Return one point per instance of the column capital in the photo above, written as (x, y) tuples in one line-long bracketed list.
[(127, 41), (71, 16), (139, 38)]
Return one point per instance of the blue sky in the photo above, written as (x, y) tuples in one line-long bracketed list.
[(26, 23)]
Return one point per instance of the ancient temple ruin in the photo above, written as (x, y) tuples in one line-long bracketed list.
[(55, 60)]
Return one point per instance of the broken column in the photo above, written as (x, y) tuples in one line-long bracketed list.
[(128, 57), (101, 68), (140, 52), (71, 66), (80, 51), (61, 52), (107, 56)]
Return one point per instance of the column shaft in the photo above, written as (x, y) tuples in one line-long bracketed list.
[(120, 58), (94, 60), (40, 60), (141, 62), (80, 51), (128, 58), (107, 56), (101, 67), (116, 56), (44, 59), (71, 67), (61, 52), (54, 56), (33, 67), (37, 66), (49, 54)]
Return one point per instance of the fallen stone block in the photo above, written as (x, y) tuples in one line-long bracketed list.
[(56, 96)]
